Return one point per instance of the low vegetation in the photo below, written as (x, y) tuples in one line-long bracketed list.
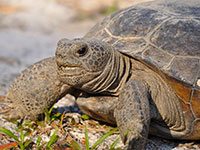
[(52, 123)]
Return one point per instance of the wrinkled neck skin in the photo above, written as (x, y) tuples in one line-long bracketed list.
[(112, 78)]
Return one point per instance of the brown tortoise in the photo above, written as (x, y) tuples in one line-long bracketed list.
[(139, 68)]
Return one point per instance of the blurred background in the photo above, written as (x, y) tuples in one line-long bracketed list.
[(30, 29)]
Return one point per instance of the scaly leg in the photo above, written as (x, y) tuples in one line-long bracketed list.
[(132, 114)]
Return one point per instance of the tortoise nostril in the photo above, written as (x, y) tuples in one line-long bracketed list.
[(57, 53), (60, 52), (60, 43)]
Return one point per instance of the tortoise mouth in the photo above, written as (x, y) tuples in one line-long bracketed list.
[(70, 70)]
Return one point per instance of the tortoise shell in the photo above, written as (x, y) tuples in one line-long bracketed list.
[(165, 35)]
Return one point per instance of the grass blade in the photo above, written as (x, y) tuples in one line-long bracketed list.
[(50, 110), (22, 136), (38, 141), (9, 133), (103, 138), (68, 144), (114, 143), (46, 114), (52, 139), (75, 145), (27, 143), (40, 147), (86, 139)]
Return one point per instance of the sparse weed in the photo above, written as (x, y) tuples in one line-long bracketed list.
[(75, 145), (22, 144), (29, 127), (52, 140), (49, 117), (26, 129)]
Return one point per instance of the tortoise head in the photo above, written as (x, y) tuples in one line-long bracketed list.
[(80, 61)]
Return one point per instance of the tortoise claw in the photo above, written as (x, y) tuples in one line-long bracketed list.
[(4, 108), (7, 109)]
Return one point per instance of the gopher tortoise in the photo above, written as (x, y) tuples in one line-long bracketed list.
[(139, 68)]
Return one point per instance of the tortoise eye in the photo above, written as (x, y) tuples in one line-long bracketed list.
[(82, 51)]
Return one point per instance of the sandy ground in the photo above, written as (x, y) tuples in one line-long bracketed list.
[(29, 31)]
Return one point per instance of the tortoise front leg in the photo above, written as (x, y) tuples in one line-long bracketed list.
[(35, 89), (132, 114), (98, 107)]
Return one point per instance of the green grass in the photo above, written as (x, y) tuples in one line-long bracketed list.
[(26, 129), (52, 140), (25, 143), (49, 117), (103, 138), (76, 146), (20, 140)]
